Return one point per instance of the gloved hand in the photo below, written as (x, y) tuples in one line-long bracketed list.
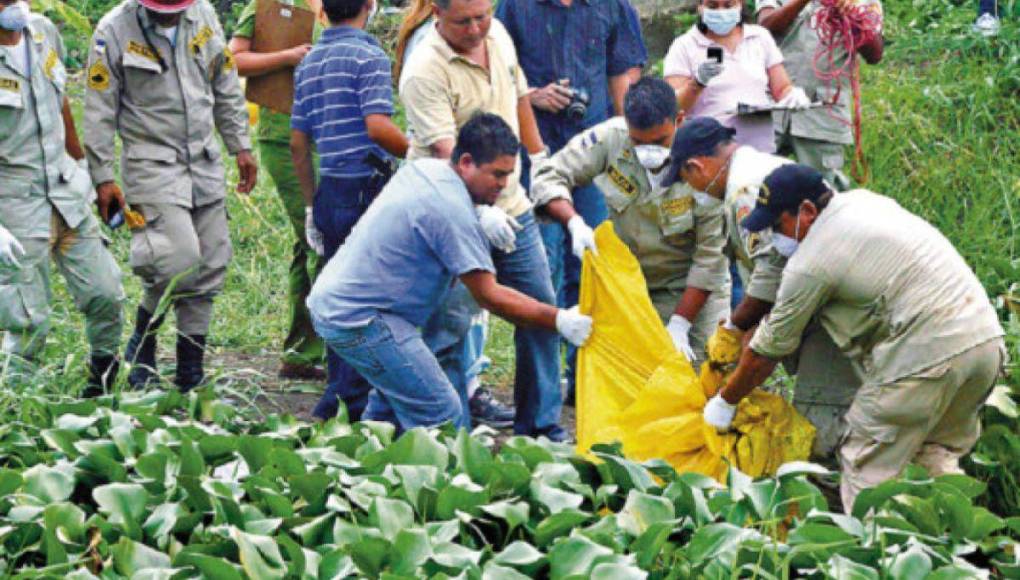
[(312, 234), (679, 329), (573, 326), (707, 71), (795, 99), (11, 250), (582, 237), (537, 161), (499, 227), (718, 413), (724, 345)]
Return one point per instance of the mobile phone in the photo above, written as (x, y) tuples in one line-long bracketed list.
[(116, 213), (716, 53)]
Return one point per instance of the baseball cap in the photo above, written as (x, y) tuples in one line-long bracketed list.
[(783, 190), (696, 137), (167, 6)]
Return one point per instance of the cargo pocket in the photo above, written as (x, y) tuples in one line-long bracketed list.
[(862, 442), (23, 301), (148, 244)]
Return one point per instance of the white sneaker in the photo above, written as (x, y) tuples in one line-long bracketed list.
[(986, 25)]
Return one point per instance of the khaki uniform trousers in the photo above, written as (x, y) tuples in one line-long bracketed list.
[(182, 252), (92, 278), (930, 418), (704, 324)]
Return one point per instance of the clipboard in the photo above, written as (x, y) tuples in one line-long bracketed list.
[(278, 27), (745, 110)]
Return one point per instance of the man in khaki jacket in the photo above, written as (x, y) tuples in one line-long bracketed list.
[(161, 77), (676, 235), (899, 301)]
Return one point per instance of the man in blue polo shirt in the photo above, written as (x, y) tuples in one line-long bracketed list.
[(401, 261), (343, 101), (569, 47)]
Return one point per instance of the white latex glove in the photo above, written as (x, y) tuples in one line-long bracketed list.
[(537, 161), (312, 234), (679, 329), (11, 250), (581, 236), (707, 71), (718, 413), (573, 326), (499, 227), (795, 99)]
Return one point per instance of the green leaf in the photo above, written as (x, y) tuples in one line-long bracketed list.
[(967, 485), (313, 533), (1002, 401), (66, 521), (513, 513), (288, 462), (920, 512), (211, 568), (575, 556), (609, 571), (648, 545), (642, 510), (496, 572), (215, 448), (846, 569), (718, 541), (519, 554), (10, 481), (336, 565), (416, 447), (390, 516), (555, 500), (473, 458), (255, 451), (260, 555), (48, 484), (411, 548), (369, 555), (461, 495), (559, 524), (910, 564), (131, 557), (125, 503), (313, 487), (984, 523), (627, 474)]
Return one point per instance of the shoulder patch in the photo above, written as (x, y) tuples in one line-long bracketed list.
[(52, 59), (591, 139), (228, 60), (142, 51), (621, 182), (200, 40), (678, 206), (10, 85), (99, 76)]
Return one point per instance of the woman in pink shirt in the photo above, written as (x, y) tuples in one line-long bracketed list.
[(751, 71)]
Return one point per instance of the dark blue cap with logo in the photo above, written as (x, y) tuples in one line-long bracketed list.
[(783, 190), (695, 138)]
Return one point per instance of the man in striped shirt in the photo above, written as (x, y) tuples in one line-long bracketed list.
[(343, 101)]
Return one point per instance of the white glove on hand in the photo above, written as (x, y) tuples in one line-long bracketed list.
[(537, 161), (312, 234), (679, 329), (11, 250), (718, 413), (795, 99), (573, 326), (582, 237), (707, 71), (499, 227)]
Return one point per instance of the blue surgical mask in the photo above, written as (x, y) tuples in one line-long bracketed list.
[(15, 17), (721, 21)]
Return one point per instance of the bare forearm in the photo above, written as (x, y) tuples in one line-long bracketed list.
[(71, 143), (507, 302), (560, 210), (749, 312), (253, 64), (619, 85), (301, 155), (386, 134), (779, 20), (691, 302), (751, 372), (530, 137), (687, 92)]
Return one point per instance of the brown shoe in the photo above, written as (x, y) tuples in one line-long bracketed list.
[(301, 372)]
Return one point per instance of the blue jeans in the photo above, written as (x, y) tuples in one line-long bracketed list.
[(537, 366), (339, 204), (987, 7), (411, 388), (737, 287), (564, 266)]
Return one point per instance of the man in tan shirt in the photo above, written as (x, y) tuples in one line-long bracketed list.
[(465, 65), (899, 301)]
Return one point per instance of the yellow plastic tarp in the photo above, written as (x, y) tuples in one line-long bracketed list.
[(635, 388)]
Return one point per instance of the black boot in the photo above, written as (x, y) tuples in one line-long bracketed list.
[(141, 350), (102, 374), (190, 353)]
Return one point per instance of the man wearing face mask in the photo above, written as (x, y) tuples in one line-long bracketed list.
[(708, 160), (45, 191), (898, 299), (675, 233), (160, 76)]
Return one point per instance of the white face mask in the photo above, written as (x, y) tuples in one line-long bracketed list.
[(706, 200), (721, 21), (785, 245), (651, 157)]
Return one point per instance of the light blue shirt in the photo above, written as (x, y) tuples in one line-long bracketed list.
[(405, 253)]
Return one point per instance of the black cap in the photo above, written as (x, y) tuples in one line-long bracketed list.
[(696, 137), (783, 190)]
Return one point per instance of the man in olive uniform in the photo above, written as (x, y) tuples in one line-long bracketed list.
[(676, 235), (303, 349), (45, 196), (161, 76), (708, 160), (899, 301), (817, 137)]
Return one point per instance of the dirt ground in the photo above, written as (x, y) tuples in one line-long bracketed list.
[(299, 397)]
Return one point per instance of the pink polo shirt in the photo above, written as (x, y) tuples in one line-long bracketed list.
[(744, 79)]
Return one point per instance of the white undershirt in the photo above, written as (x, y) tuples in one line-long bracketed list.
[(170, 34), (18, 55)]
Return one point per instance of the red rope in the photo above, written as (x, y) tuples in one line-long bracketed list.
[(843, 31)]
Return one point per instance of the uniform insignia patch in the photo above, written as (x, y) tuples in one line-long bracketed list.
[(38, 37), (620, 181), (51, 62), (228, 60), (10, 85), (591, 139), (200, 40), (743, 212), (99, 76), (142, 51), (678, 206), (100, 46), (753, 243)]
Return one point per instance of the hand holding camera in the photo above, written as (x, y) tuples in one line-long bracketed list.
[(559, 97)]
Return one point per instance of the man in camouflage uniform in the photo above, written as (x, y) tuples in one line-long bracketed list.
[(45, 196), (817, 137), (161, 77), (676, 237)]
